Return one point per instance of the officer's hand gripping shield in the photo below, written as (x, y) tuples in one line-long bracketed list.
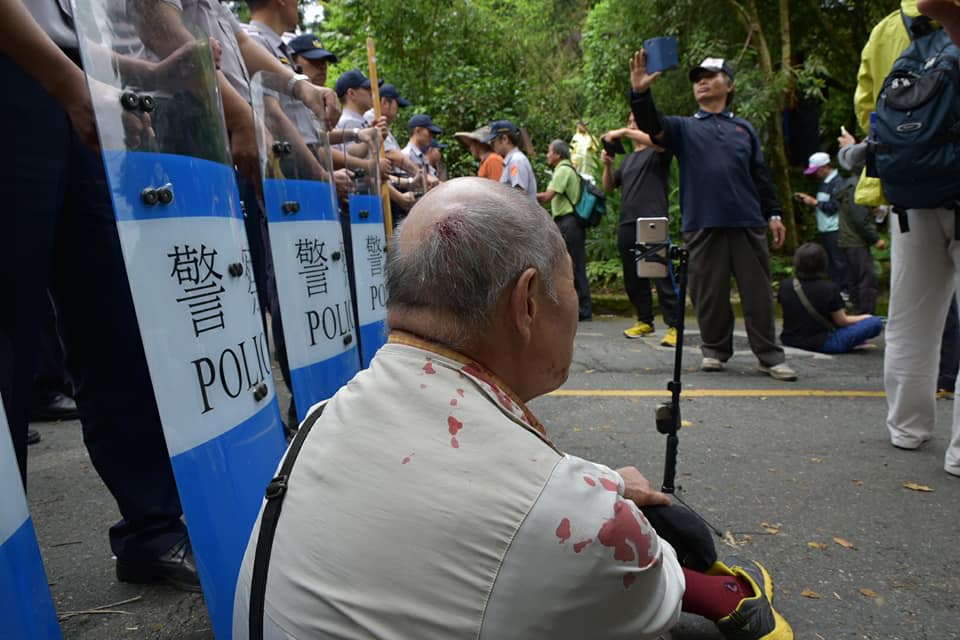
[(309, 256), (366, 238), (174, 192)]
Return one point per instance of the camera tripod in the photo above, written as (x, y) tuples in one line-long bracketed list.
[(668, 413)]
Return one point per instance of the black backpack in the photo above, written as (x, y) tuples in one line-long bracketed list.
[(915, 139)]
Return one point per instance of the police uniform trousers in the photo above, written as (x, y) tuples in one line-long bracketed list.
[(715, 255), (59, 230), (925, 265)]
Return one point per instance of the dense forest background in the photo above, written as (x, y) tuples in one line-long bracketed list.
[(547, 63)]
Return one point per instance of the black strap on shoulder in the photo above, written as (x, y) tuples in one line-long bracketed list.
[(268, 525), (805, 301)]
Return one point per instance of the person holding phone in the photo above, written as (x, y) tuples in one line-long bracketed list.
[(644, 178), (728, 203)]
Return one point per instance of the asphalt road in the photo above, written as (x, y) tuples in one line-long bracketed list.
[(797, 475)]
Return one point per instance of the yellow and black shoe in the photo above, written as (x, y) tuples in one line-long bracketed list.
[(754, 618), (638, 330), (670, 337)]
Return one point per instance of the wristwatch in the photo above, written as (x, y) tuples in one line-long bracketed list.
[(297, 77), (778, 218)]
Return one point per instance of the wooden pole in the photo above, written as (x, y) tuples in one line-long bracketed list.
[(375, 90)]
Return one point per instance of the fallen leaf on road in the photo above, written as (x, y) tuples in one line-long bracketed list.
[(732, 540), (576, 429), (807, 593), (772, 529), (686, 423), (817, 545), (589, 370), (913, 486), (846, 544), (837, 596), (816, 460), (870, 593), (859, 483)]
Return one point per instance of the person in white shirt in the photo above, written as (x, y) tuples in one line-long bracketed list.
[(427, 501)]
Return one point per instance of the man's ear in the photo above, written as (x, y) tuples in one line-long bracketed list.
[(522, 306)]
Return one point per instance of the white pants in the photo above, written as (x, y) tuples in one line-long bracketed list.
[(925, 271)]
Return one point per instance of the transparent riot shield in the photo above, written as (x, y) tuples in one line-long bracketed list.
[(178, 213), (25, 603), (309, 258), (368, 246)]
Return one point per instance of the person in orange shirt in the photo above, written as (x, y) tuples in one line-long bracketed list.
[(491, 164)]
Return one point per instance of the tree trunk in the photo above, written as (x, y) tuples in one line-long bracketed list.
[(778, 154)]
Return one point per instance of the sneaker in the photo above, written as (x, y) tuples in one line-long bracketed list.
[(710, 364), (944, 394), (670, 337), (754, 618), (779, 372), (638, 330)]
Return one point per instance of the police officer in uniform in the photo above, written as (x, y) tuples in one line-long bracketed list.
[(60, 230)]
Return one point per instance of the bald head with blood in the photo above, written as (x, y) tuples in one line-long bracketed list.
[(478, 267)]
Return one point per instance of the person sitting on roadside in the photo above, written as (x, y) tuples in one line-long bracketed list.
[(427, 500), (814, 315)]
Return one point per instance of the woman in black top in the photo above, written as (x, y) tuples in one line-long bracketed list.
[(828, 329)]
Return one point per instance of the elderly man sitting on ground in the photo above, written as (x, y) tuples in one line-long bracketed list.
[(427, 501)]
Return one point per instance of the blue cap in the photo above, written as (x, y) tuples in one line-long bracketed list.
[(389, 91), (498, 127), (436, 143), (310, 47), (353, 79), (423, 120)]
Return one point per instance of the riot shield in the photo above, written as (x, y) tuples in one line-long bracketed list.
[(175, 197), (309, 259), (25, 602), (368, 246)]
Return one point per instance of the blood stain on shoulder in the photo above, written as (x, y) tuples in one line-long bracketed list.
[(563, 530), (589, 480), (428, 368), (406, 459)]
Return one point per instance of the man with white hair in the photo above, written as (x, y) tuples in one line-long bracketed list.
[(427, 500)]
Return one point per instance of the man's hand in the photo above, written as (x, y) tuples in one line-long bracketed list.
[(637, 488), (432, 181), (779, 232), (406, 199), (806, 199), (845, 139), (881, 244), (343, 179), (322, 101), (606, 159), (640, 80)]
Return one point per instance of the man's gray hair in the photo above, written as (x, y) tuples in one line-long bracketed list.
[(485, 236), (561, 149)]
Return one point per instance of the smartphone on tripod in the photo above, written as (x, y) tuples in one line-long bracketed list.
[(653, 231)]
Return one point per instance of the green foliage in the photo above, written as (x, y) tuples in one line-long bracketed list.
[(546, 63)]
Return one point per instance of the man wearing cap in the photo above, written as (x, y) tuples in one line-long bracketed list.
[(404, 172), (353, 89), (308, 52), (504, 137), (491, 164), (422, 131), (438, 167), (728, 203), (828, 219)]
